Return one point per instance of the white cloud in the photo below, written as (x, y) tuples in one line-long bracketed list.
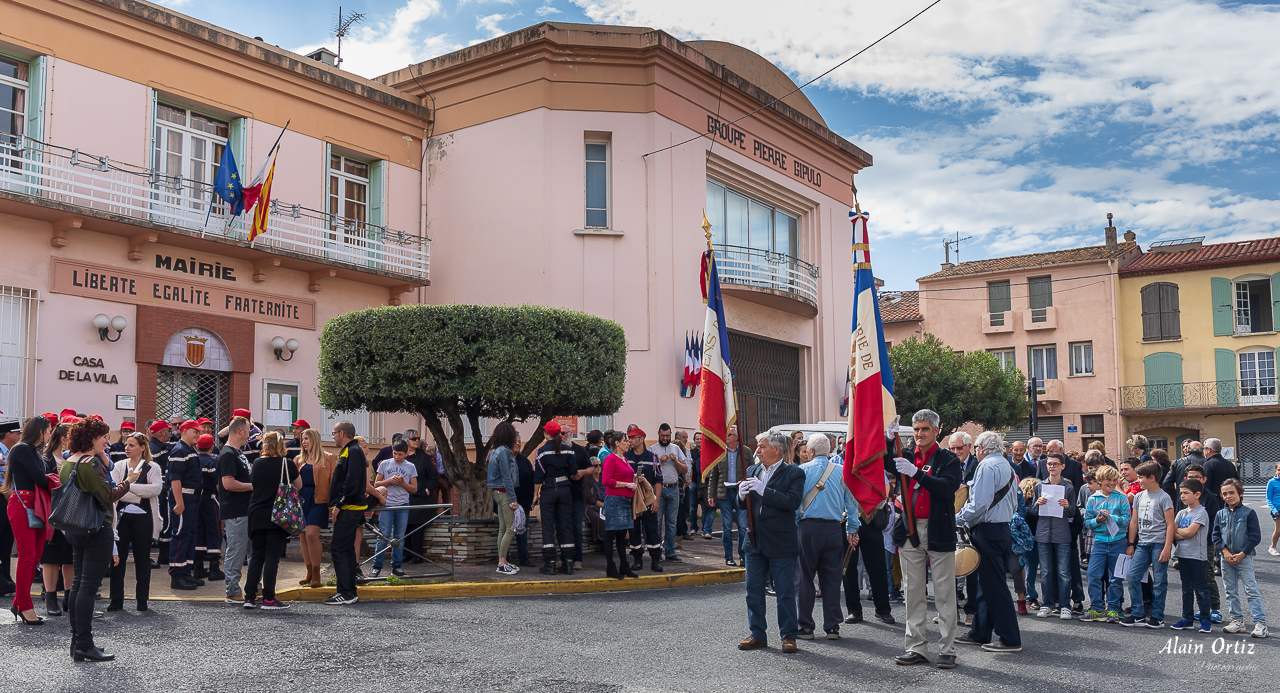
[(489, 24), (546, 9), (382, 46)]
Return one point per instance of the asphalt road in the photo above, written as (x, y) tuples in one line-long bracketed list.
[(662, 640)]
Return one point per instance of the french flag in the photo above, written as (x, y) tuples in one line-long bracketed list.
[(873, 408), (717, 410)]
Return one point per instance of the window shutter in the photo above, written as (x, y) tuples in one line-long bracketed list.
[(1223, 320), (324, 180), (35, 99), (1224, 366), (1041, 290), (236, 139), (1275, 303), (1163, 377), (1170, 316), (1151, 312), (998, 297), (377, 193)]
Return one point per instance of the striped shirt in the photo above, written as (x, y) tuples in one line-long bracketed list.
[(1117, 507)]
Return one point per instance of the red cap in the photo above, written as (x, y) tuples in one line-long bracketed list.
[(159, 426), (94, 416), (67, 412), (127, 426), (242, 412), (188, 425), (552, 428), (69, 419), (202, 421), (302, 423), (205, 442), (53, 418), (635, 431)]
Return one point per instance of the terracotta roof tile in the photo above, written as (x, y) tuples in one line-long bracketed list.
[(1056, 257), (1236, 253), (907, 309)]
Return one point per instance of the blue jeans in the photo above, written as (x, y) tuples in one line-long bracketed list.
[(668, 509), (1102, 586), (894, 593), (1148, 556), (577, 530), (1056, 561), (708, 519), (391, 523), (783, 572), (1232, 575), (731, 515), (1031, 560), (1195, 586)]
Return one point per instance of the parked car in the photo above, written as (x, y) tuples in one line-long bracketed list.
[(837, 428)]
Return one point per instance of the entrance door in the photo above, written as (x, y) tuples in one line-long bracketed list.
[(192, 394), (766, 377)]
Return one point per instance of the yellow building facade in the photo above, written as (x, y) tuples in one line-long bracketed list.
[(1198, 349)]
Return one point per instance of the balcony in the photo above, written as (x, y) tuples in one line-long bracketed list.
[(1214, 395), (1050, 390), (769, 279), (127, 200), (1039, 318), (995, 323)]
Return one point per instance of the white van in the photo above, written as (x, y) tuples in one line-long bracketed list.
[(837, 428)]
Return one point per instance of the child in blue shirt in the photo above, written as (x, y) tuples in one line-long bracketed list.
[(1273, 505), (1106, 515)]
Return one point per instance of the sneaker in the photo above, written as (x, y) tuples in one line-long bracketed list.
[(1206, 626), (577, 565), (376, 572), (805, 634), (250, 605), (1233, 627), (1064, 614), (1215, 617), (1273, 551), (1033, 604), (1259, 630), (507, 569), (1044, 612), (730, 562), (1114, 616), (339, 600), (997, 646), (238, 599), (1153, 623), (1184, 624), (1093, 615), (964, 639), (833, 634), (273, 605), (1077, 608), (399, 572), (673, 559), (1129, 621)]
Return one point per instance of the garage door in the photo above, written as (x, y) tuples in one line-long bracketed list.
[(1047, 428), (766, 376), (1257, 454)]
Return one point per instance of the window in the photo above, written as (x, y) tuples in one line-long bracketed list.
[(1157, 443), (1160, 317), (1257, 377), (737, 220), (364, 422), (188, 149), (1044, 362), (349, 189), (1091, 424), (1082, 358), (1005, 357), (597, 423), (1041, 290), (1253, 306), (467, 436), (13, 101), (18, 313), (998, 301), (597, 176)]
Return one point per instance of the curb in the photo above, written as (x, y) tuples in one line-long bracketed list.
[(512, 589)]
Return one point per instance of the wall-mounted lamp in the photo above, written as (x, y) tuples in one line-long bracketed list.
[(105, 324), (279, 345)]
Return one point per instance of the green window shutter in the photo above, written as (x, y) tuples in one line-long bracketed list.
[(1275, 301), (324, 181), (237, 140), (35, 99), (377, 193), (1224, 364), (1163, 373), (1223, 321)]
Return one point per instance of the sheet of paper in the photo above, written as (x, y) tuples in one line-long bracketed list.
[(1053, 493), (273, 400), (1122, 566), (1146, 577), (286, 403), (276, 417), (1112, 529)]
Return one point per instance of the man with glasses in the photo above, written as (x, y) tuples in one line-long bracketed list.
[(961, 445), (929, 496), (1028, 464)]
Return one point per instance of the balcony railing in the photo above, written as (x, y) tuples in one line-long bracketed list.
[(769, 270), (1215, 394), (69, 176)]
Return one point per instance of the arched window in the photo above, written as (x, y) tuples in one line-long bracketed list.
[(1160, 317)]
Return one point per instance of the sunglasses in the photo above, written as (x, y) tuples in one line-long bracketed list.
[(415, 439)]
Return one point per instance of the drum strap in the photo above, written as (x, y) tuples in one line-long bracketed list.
[(822, 483)]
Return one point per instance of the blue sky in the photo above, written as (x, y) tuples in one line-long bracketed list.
[(1021, 124)]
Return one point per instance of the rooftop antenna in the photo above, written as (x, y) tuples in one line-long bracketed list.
[(956, 244), (342, 25)]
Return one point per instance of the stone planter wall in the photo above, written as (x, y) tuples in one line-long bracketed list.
[(476, 541)]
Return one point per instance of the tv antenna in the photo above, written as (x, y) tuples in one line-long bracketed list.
[(342, 25), (947, 245)]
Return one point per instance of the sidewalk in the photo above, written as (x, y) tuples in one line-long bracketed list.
[(703, 563)]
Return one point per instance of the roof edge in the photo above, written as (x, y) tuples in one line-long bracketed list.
[(1118, 256)]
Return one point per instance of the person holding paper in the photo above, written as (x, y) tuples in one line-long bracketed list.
[(1056, 507), (1150, 544), (1106, 511)]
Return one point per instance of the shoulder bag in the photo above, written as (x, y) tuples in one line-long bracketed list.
[(286, 510), (76, 511)]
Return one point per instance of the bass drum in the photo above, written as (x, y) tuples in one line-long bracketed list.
[(962, 496), (967, 560)]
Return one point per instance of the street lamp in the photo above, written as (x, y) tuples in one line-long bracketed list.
[(104, 324), (278, 344)]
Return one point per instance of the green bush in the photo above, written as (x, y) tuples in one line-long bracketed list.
[(928, 374)]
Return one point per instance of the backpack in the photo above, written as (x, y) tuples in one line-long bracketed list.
[(1023, 539)]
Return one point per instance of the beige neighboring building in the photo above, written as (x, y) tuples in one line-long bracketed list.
[(1052, 315), (900, 313)]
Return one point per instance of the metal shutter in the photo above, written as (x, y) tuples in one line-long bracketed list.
[(1048, 428)]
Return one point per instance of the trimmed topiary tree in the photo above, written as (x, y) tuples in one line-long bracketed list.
[(928, 374), (464, 362)]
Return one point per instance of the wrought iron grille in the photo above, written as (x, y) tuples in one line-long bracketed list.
[(191, 394), (1206, 395), (1258, 454), (766, 376)]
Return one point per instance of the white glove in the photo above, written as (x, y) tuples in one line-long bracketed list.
[(905, 466), (748, 485)]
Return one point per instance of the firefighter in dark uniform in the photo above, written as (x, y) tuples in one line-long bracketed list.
[(253, 447), (645, 534), (185, 481), (206, 428), (294, 446), (116, 450), (554, 471), (208, 529), (160, 448)]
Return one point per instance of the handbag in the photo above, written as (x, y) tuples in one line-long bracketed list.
[(520, 524), (32, 521), (286, 509), (76, 511)]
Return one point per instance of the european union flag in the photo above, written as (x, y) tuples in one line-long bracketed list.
[(227, 184)]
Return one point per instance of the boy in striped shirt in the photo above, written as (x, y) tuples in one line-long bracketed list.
[(1106, 515)]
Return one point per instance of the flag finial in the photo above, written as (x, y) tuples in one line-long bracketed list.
[(706, 228), (852, 186)]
